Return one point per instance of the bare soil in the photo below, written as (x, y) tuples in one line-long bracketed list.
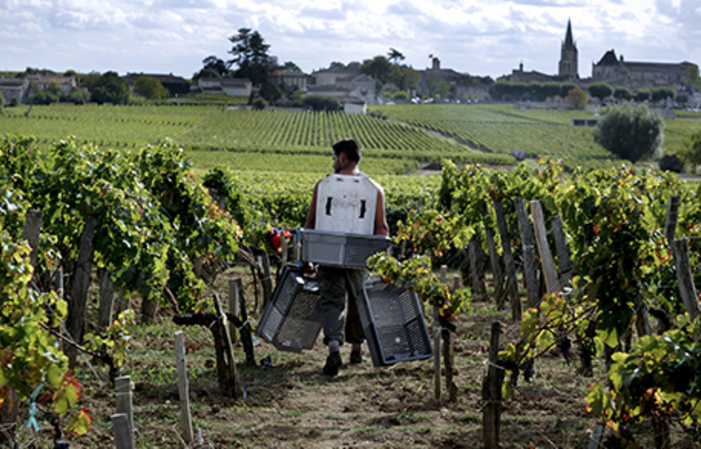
[(293, 405)]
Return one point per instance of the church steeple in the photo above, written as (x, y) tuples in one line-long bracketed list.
[(568, 55), (569, 42)]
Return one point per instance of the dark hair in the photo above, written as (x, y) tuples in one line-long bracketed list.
[(348, 146)]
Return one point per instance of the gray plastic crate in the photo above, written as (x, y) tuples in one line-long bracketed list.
[(394, 324), (292, 319), (341, 250)]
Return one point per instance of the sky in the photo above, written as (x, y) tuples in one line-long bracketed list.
[(476, 37)]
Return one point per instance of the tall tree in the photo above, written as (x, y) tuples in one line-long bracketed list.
[(600, 91), (110, 88), (291, 67), (631, 132), (216, 64), (395, 56), (250, 56), (150, 87)]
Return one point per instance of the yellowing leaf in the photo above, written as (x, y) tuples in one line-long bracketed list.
[(80, 424)]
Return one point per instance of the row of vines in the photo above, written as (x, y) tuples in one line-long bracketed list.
[(625, 280)]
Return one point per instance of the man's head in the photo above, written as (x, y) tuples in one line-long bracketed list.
[(346, 152)]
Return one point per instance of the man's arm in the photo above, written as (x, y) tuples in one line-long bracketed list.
[(311, 216), (381, 226)]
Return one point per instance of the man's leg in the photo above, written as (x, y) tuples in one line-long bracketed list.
[(354, 328), (332, 294)]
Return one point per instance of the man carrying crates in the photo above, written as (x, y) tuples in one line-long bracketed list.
[(347, 202)]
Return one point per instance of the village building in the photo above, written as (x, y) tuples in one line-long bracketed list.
[(290, 78), (619, 72), (353, 89), (236, 87), (42, 81), (175, 85), (452, 78), (610, 69), (14, 88)]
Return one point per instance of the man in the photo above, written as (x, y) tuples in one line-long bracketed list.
[(337, 282)]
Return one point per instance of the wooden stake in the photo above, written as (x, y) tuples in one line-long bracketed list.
[(530, 271), (670, 226), (32, 231), (437, 343), (266, 279), (687, 290), (232, 383), (563, 254), (234, 308), (81, 283), (183, 388), (122, 392), (123, 439), (552, 283), (104, 316), (512, 286), (494, 261), (491, 392)]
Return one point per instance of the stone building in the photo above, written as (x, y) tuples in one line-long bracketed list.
[(237, 87), (619, 72), (11, 88), (290, 78)]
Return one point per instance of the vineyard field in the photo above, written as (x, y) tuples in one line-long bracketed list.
[(501, 128), (295, 141)]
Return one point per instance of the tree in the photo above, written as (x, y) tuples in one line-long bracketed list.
[(321, 103), (576, 99), (44, 96), (150, 87), (662, 93), (642, 95), (691, 76), (78, 96), (410, 79), (337, 65), (250, 56), (600, 91), (271, 92), (631, 132), (110, 88), (690, 152), (622, 93), (382, 70), (394, 56), (291, 67), (216, 64)]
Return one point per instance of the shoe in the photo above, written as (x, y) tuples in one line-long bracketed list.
[(356, 356), (333, 363)]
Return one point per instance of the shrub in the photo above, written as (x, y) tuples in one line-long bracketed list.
[(630, 132), (259, 104), (690, 152), (600, 91), (401, 95), (576, 99), (671, 162), (321, 103)]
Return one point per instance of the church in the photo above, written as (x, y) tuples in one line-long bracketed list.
[(610, 69)]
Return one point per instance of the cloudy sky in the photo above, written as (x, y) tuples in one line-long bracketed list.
[(488, 37)]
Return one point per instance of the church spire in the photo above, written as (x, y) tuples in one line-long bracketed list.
[(569, 42)]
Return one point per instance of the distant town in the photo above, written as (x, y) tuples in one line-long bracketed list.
[(351, 87)]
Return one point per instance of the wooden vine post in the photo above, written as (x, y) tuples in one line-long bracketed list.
[(563, 254), (227, 360), (512, 286), (491, 392), (687, 290), (32, 231), (552, 281), (266, 279), (234, 308), (123, 438), (530, 271), (183, 388), (104, 315), (123, 396), (81, 282), (495, 263)]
